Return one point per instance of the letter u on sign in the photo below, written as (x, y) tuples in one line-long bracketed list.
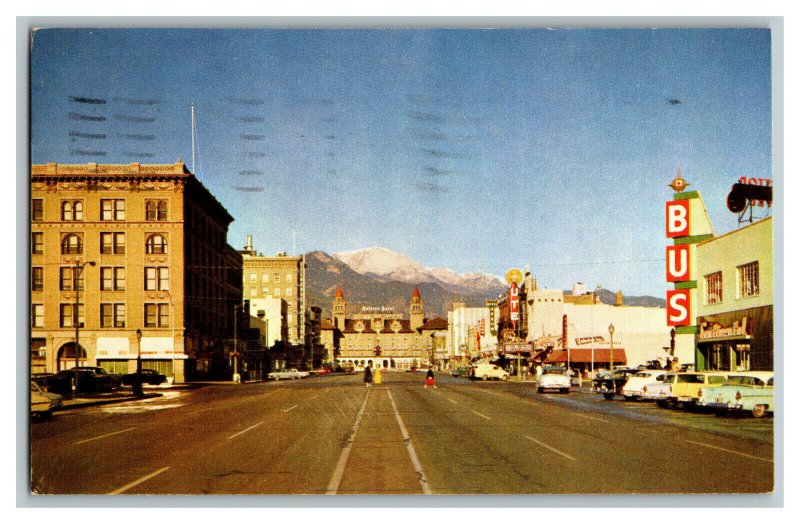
[(678, 219), (678, 269), (678, 308)]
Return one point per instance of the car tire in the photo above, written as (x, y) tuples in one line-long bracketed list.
[(662, 403), (505, 377), (565, 390), (608, 396), (539, 390), (759, 410), (485, 377), (628, 398)]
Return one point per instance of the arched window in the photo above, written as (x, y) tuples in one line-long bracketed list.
[(66, 211), (156, 245), (78, 210), (71, 245), (71, 210)]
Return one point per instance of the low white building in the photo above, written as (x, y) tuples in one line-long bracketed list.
[(464, 324), (272, 311)]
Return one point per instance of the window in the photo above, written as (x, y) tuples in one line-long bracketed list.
[(288, 291), (156, 278), (253, 291), (253, 277), (37, 243), (714, 288), (155, 210), (112, 243), (37, 278), (747, 280), (112, 315), (276, 278), (37, 315), (37, 209), (276, 292), (71, 210), (156, 245), (112, 278), (288, 277), (156, 315), (112, 209), (67, 315), (70, 278), (265, 278), (71, 245)]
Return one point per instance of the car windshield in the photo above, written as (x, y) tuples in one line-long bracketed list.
[(554, 371), (619, 374), (643, 374), (690, 378)]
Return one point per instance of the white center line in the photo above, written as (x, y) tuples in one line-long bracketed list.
[(423, 481), (336, 479), (289, 409), (729, 451), (554, 450), (126, 487), (592, 418), (246, 430), (315, 396), (480, 414), (104, 436), (453, 401)]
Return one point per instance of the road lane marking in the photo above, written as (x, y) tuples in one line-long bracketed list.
[(336, 479), (729, 451), (554, 450), (453, 401), (480, 414), (423, 481), (246, 430), (590, 417), (104, 436), (315, 396), (289, 409), (135, 483)]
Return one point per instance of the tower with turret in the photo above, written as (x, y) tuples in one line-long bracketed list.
[(416, 311), (339, 309)]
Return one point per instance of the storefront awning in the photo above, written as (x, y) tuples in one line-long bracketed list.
[(585, 356)]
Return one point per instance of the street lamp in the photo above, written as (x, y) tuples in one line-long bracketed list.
[(611, 332), (76, 271), (594, 299), (137, 383)]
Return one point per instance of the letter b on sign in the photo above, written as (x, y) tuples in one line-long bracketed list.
[(678, 218), (678, 308)]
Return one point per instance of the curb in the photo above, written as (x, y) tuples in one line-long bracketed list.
[(100, 402)]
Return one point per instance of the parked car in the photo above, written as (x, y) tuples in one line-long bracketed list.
[(553, 378), (634, 387), (43, 403), (287, 374), (660, 391), (461, 371), (41, 379), (752, 391), (610, 385), (149, 376), (90, 379), (485, 371), (688, 385)]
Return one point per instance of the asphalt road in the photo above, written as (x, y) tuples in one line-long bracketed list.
[(332, 435)]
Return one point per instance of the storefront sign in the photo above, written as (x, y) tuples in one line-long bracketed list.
[(678, 269), (711, 330), (483, 327), (492, 305), (513, 302), (580, 341), (678, 307)]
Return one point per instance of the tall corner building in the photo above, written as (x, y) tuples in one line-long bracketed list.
[(275, 287), (137, 255)]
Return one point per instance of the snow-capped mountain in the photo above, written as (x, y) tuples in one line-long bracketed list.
[(387, 265)]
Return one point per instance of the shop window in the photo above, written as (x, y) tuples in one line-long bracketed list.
[(713, 288), (747, 275)]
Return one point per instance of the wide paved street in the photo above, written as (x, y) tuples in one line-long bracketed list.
[(332, 435)]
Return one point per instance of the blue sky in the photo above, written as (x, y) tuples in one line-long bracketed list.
[(475, 150)]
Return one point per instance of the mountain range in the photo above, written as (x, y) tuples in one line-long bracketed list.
[(381, 277)]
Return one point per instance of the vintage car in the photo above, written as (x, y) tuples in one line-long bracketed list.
[(461, 371), (610, 385), (485, 371), (148, 376), (752, 391), (660, 391), (553, 378), (42, 402), (634, 387), (287, 374), (90, 379), (686, 389)]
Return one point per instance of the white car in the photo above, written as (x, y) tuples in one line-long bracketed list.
[(485, 371), (743, 391), (634, 387), (43, 402), (553, 377), (287, 374), (659, 391)]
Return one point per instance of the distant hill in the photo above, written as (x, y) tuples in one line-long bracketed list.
[(381, 277)]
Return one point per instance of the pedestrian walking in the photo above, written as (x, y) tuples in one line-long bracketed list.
[(377, 377), (430, 379), (368, 374)]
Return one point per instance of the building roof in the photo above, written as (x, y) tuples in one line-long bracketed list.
[(416, 293), (339, 293), (585, 356), (325, 324), (435, 324)]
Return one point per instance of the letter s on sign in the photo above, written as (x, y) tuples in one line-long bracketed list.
[(678, 308), (678, 219)]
